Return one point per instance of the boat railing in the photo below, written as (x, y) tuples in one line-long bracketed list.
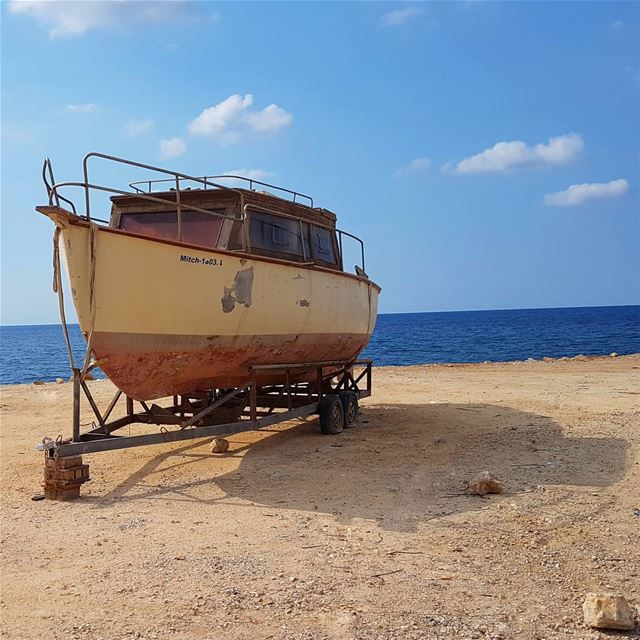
[(251, 182), (55, 198)]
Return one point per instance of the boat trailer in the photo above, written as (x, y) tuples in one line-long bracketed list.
[(334, 395)]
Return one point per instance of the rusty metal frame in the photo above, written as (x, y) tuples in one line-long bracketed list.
[(257, 409)]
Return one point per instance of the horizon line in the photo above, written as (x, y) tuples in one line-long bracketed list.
[(391, 313)]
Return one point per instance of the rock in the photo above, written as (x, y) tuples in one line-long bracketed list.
[(548, 359), (484, 483), (607, 611), (219, 445), (38, 382), (613, 355), (530, 360), (59, 381)]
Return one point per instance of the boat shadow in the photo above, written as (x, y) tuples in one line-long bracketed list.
[(399, 466)]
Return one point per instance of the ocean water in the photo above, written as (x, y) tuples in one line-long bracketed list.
[(38, 352), (514, 334)]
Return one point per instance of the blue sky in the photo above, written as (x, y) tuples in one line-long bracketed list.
[(447, 135)]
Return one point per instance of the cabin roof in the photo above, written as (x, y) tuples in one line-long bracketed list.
[(216, 198)]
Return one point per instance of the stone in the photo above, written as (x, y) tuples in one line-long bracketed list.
[(219, 445), (607, 611), (59, 381), (38, 382), (613, 355), (484, 483), (548, 359)]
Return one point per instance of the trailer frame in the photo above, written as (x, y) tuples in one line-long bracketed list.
[(193, 416)]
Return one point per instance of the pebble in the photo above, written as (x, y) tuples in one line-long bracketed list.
[(484, 483), (219, 445), (607, 611)]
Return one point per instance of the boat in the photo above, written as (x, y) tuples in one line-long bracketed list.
[(188, 282)]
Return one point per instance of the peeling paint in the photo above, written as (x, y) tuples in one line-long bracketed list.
[(228, 301), (239, 292), (303, 303)]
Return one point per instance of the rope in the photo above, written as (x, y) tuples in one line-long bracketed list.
[(57, 288), (93, 243)]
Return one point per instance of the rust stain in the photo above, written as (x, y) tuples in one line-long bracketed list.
[(149, 366), (239, 292)]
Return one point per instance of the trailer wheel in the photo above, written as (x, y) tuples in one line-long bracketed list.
[(349, 401), (331, 415)]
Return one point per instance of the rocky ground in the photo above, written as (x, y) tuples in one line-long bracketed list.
[(369, 534)]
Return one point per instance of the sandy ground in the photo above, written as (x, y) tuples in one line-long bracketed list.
[(368, 534)]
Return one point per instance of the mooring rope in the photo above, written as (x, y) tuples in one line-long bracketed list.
[(57, 288), (93, 243)]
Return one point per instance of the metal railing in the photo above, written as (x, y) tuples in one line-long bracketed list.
[(55, 198), (250, 181)]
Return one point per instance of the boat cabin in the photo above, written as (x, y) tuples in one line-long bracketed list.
[(243, 220)]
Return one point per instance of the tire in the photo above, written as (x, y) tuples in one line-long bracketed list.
[(331, 415), (349, 401)]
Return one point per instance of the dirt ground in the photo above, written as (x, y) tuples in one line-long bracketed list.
[(368, 534)]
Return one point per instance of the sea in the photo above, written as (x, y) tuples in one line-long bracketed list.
[(38, 352)]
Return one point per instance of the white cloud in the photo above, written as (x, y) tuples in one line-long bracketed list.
[(271, 118), (81, 108), (401, 16), (419, 165), (504, 156), (172, 148), (231, 118), (252, 174), (580, 193), (68, 18), (135, 128), (215, 120)]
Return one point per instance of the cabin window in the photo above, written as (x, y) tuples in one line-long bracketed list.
[(322, 245), (274, 235), (198, 228)]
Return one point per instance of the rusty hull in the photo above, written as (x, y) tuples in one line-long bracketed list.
[(147, 366)]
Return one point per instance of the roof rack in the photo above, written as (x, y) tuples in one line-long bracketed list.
[(206, 181)]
